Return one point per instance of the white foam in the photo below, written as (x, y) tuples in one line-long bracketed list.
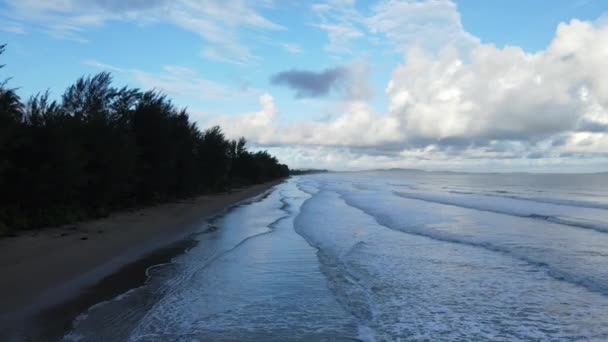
[(427, 265)]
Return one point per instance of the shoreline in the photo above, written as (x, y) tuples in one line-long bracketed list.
[(51, 276), (52, 323)]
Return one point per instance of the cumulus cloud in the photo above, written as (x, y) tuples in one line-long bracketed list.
[(259, 127), (505, 94), (342, 158), (357, 126), (490, 103)]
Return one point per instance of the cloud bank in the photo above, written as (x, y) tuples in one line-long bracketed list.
[(486, 103)]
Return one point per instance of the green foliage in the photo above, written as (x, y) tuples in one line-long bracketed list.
[(101, 148)]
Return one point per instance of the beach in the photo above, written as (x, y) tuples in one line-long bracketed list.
[(382, 256), (45, 270), (368, 256)]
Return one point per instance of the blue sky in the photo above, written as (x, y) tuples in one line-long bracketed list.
[(435, 84)]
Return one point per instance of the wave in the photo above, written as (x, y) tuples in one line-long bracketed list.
[(588, 282), (265, 216), (269, 228), (513, 208), (307, 188), (349, 286), (165, 281), (557, 201)]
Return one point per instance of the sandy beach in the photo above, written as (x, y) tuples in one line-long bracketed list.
[(43, 270)]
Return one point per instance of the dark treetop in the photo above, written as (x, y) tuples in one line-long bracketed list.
[(102, 148)]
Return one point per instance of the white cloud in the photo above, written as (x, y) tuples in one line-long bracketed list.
[(500, 104), (357, 126), (340, 36), (11, 26), (258, 126), (100, 65), (218, 22), (291, 47), (341, 158), (505, 93), (430, 25), (180, 81), (341, 21)]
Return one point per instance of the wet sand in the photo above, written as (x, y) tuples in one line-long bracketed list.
[(50, 276)]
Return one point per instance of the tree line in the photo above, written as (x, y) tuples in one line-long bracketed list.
[(101, 148)]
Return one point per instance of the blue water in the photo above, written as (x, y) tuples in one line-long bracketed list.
[(384, 256)]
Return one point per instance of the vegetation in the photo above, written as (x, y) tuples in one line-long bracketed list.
[(101, 148)]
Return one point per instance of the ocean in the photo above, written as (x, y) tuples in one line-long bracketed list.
[(383, 256)]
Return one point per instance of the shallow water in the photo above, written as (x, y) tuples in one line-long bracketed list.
[(391, 255)]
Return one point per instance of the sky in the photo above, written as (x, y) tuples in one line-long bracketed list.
[(495, 86)]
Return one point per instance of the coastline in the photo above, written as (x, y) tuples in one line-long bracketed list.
[(52, 275)]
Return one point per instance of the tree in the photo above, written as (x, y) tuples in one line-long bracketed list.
[(100, 148)]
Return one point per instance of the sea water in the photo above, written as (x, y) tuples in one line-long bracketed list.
[(384, 256)]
